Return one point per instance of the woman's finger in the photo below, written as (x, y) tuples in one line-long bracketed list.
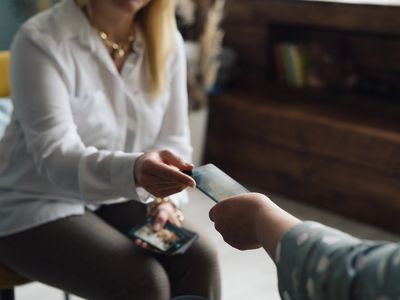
[(175, 160), (160, 220), (174, 220), (161, 191), (167, 173), (139, 243), (163, 186), (146, 246), (167, 192)]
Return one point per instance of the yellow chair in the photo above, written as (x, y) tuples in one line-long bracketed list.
[(4, 81), (8, 278)]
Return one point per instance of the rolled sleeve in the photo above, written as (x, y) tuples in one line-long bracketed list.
[(180, 199)]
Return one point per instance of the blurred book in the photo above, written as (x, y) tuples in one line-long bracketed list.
[(291, 64)]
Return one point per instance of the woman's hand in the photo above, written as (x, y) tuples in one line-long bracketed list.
[(235, 218), (159, 173), (166, 212)]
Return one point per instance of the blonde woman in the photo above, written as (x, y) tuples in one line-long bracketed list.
[(99, 125)]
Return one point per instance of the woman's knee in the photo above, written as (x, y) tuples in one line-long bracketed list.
[(147, 281), (205, 256), (196, 272)]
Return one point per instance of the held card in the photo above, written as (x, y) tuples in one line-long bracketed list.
[(215, 183)]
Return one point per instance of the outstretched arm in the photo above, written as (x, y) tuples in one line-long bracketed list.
[(313, 261), (250, 221)]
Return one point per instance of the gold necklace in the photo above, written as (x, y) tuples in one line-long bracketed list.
[(118, 49)]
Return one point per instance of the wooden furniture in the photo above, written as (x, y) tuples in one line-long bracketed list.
[(335, 149), (8, 280)]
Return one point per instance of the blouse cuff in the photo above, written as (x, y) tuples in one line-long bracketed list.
[(180, 198), (122, 174)]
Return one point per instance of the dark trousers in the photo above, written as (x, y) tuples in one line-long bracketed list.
[(90, 256)]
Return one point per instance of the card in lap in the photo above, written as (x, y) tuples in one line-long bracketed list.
[(215, 183), (170, 240)]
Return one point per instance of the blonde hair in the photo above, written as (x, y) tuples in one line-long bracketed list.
[(157, 27)]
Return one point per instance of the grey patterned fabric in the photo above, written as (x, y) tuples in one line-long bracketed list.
[(318, 262)]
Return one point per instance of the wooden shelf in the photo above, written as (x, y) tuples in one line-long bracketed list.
[(336, 150), (318, 153), (362, 2), (354, 109), (373, 18)]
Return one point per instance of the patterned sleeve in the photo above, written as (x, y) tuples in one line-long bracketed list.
[(318, 262)]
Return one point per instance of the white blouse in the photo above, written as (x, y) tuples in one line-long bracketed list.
[(78, 124)]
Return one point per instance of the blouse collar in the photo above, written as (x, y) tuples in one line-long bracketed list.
[(74, 24)]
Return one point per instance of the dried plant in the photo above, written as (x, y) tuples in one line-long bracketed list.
[(210, 46), (186, 10)]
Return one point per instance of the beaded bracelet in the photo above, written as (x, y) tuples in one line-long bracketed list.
[(153, 207)]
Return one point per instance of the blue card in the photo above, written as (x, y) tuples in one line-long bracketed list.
[(215, 183)]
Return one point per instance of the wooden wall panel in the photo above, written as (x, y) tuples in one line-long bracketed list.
[(369, 18), (321, 132), (336, 150), (348, 172)]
